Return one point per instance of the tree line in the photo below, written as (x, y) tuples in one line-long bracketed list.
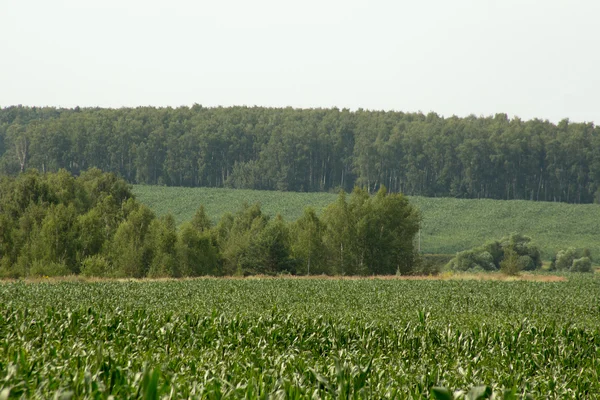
[(58, 224), (311, 150)]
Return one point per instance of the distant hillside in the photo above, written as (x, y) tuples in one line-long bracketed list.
[(449, 225)]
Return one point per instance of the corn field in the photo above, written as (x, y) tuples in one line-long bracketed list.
[(300, 338)]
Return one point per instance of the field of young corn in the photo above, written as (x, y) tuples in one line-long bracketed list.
[(300, 338)]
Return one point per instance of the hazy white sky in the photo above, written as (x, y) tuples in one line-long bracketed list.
[(527, 58)]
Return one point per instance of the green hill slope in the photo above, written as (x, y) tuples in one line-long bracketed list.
[(449, 225)]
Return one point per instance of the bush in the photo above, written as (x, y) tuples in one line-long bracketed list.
[(472, 260), (41, 268), (95, 266), (490, 256), (565, 258), (463, 261), (430, 264), (574, 260), (496, 251), (583, 264), (526, 263)]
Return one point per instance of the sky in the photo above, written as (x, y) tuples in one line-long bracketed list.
[(526, 58)]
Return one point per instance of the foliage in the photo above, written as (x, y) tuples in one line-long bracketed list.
[(449, 225), (69, 225), (95, 265), (197, 252), (300, 338), (48, 268), (307, 244), (572, 259), (529, 254), (360, 236), (163, 241), (371, 235), (56, 224), (130, 253), (512, 263), (512, 254), (311, 150), (431, 264), (583, 264), (472, 260), (51, 223)]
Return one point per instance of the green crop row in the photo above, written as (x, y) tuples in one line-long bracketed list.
[(299, 338)]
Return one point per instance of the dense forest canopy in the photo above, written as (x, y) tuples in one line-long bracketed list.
[(311, 150)]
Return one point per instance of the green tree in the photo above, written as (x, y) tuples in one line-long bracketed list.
[(91, 234), (161, 242), (7, 249), (371, 235), (129, 253), (510, 264), (307, 244), (201, 222), (197, 253), (390, 226), (57, 241), (340, 235), (269, 251), (236, 233)]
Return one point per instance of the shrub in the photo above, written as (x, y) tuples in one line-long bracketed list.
[(574, 260), (526, 263), (95, 266), (522, 245), (472, 260), (564, 259), (583, 264), (430, 264), (490, 256), (41, 268), (496, 251)]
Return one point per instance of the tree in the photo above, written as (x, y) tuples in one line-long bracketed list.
[(310, 150), (197, 254), (510, 264), (57, 241), (161, 242), (269, 251), (91, 234), (574, 260), (7, 249), (20, 139), (200, 221), (235, 235), (339, 235), (371, 235), (307, 244), (129, 253), (390, 237)]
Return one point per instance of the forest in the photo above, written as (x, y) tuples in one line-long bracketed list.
[(311, 150), (55, 224)]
